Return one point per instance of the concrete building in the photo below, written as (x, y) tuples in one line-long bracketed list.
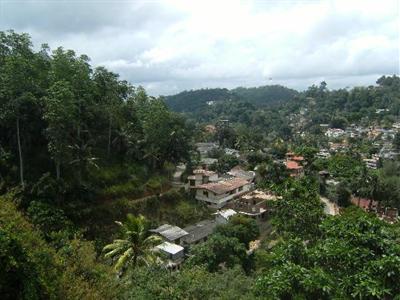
[(217, 194)]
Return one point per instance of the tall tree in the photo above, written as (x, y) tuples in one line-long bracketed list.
[(60, 113)]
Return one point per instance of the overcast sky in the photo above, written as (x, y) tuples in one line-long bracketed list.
[(170, 46)]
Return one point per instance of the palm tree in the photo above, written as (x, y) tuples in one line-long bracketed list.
[(136, 247)]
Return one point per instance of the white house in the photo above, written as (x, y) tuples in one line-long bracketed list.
[(174, 254), (222, 216), (217, 194)]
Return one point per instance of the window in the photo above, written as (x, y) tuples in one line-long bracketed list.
[(192, 182), (240, 189), (205, 193)]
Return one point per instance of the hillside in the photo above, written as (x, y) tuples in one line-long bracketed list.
[(195, 100)]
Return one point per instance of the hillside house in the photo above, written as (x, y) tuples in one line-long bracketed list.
[(201, 176), (199, 232), (217, 194), (253, 204), (173, 253), (294, 168), (238, 172), (222, 216), (170, 233)]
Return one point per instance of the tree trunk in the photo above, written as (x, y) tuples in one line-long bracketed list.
[(109, 135), (21, 163), (58, 171)]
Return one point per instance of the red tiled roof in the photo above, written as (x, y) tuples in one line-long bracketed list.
[(292, 165), (297, 158)]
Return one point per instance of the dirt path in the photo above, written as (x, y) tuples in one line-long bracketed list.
[(330, 208)]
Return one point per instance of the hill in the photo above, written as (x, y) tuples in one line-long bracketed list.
[(195, 100)]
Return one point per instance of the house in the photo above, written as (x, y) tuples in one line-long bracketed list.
[(253, 204), (170, 233), (204, 148), (217, 194), (206, 162), (372, 163), (334, 132), (238, 172), (199, 232), (295, 170), (174, 254), (233, 152), (297, 158), (210, 128), (323, 153), (201, 176), (222, 216)]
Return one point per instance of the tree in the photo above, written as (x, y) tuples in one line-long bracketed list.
[(136, 245), (356, 256), (219, 251), (60, 114), (343, 195), (300, 211), (243, 228)]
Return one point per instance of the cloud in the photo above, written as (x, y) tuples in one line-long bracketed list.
[(168, 46)]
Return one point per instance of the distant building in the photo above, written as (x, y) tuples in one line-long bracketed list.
[(294, 168), (323, 153), (334, 132), (371, 163), (238, 172), (232, 152), (204, 148)]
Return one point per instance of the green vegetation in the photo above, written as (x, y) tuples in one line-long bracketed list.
[(81, 149)]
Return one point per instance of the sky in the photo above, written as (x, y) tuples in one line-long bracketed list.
[(171, 46)]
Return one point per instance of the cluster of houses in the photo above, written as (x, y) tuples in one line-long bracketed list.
[(177, 241), (229, 194)]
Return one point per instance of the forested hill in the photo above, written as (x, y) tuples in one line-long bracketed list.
[(194, 100)]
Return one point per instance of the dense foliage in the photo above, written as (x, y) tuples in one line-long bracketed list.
[(80, 149)]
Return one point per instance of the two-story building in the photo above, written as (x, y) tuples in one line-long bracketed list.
[(217, 194)]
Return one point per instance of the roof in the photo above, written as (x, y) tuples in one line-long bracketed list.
[(226, 213), (292, 165), (170, 232), (240, 173), (204, 172), (170, 248), (199, 231), (259, 195), (297, 158), (221, 187)]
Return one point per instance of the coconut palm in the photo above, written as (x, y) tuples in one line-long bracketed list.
[(136, 247)]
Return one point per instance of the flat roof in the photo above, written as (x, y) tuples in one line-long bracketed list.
[(224, 186), (170, 232), (170, 248), (199, 231)]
